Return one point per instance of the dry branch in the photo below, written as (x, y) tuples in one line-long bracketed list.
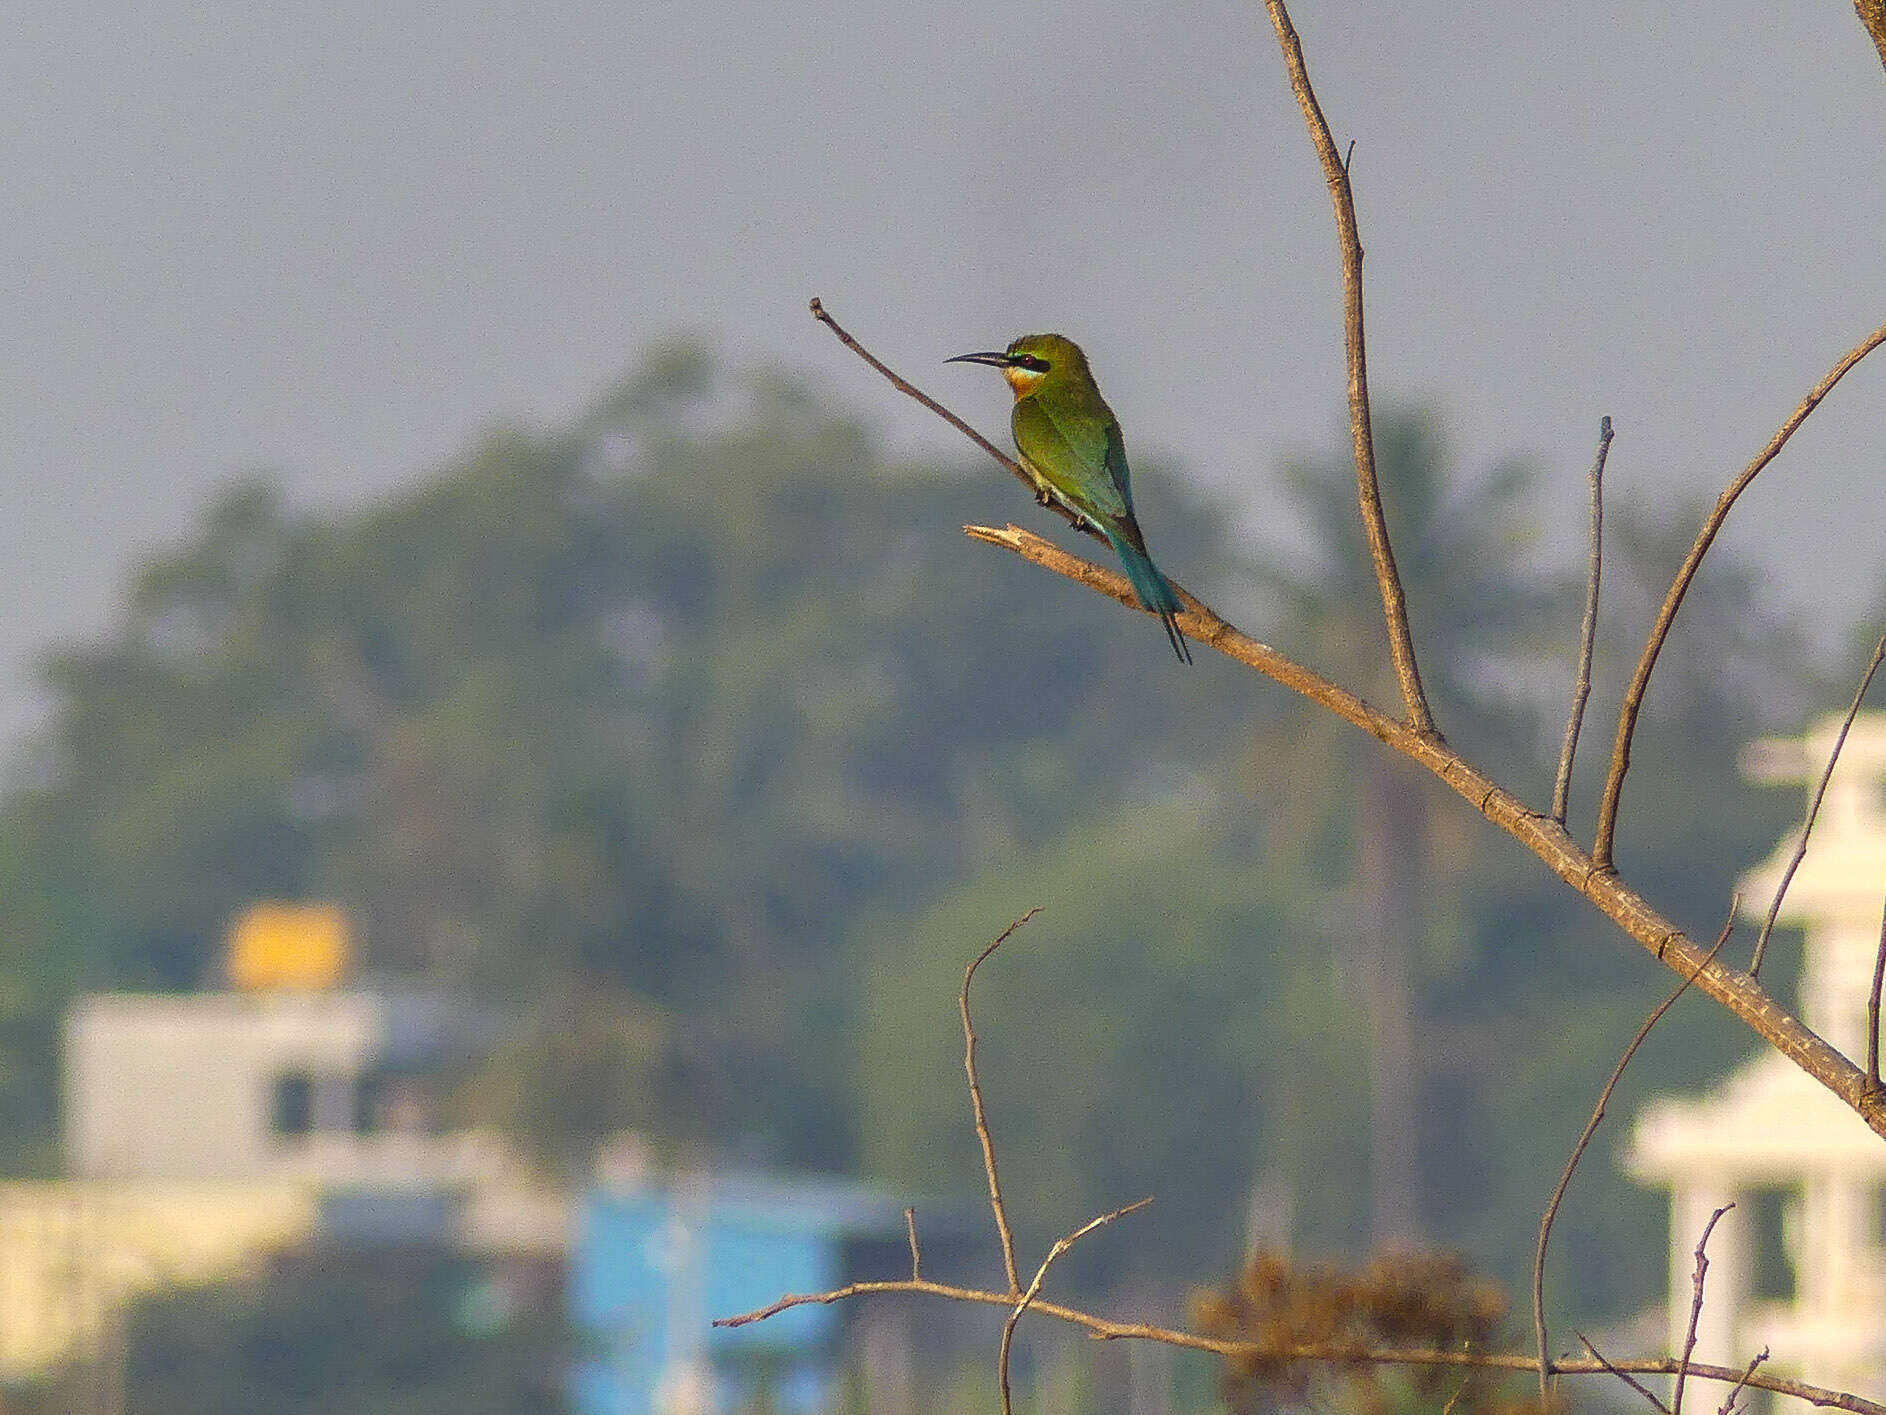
[(975, 1102), (1061, 1245), (1602, 846), (1540, 834), (1872, 1009), (1106, 1329), (1624, 1376), (1696, 1308), (1368, 494), (1587, 634), (1813, 812), (1584, 1142)]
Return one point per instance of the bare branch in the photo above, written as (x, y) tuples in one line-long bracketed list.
[(1061, 1245), (1541, 835), (1728, 1406), (904, 386), (910, 1229), (1368, 493), (975, 1101), (1813, 812), (1588, 634), (1872, 1010), (1107, 1329), (1601, 850), (1624, 1376), (1696, 1308), (1584, 1141)]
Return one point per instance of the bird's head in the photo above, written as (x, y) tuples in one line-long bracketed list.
[(1030, 359)]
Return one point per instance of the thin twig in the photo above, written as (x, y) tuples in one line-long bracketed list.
[(1584, 1141), (975, 1101), (1872, 1009), (1601, 850), (1368, 493), (1622, 1375), (1588, 635), (906, 387), (1696, 1308), (910, 1230), (1061, 1245), (1728, 1406), (1813, 811), (1107, 1329), (1545, 838)]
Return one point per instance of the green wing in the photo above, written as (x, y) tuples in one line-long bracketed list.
[(1077, 456), (1117, 468)]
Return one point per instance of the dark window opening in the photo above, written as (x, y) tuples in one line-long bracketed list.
[(291, 1109)]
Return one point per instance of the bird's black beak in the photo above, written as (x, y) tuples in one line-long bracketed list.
[(996, 359)]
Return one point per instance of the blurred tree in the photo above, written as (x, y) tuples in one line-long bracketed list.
[(614, 725), (1482, 609), (394, 1331)]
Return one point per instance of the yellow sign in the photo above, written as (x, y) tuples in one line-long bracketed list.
[(288, 946)]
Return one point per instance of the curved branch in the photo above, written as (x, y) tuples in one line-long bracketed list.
[(1813, 812), (1539, 833), (1368, 494), (1601, 850), (1584, 1142), (975, 1103)]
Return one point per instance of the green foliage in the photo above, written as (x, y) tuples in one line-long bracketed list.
[(626, 719), (1164, 1018)]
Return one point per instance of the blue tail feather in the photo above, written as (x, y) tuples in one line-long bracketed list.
[(1152, 589)]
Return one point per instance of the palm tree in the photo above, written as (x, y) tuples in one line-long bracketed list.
[(1477, 607)]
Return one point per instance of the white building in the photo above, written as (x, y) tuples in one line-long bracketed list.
[(206, 1130), (1770, 1138)]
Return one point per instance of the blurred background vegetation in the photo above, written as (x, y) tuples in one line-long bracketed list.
[(693, 740)]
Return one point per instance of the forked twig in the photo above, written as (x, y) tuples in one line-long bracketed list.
[(1587, 635), (1601, 849), (909, 389), (1584, 1142), (1813, 812), (1728, 1406), (1368, 493), (975, 1101), (1061, 1245), (1696, 1310)]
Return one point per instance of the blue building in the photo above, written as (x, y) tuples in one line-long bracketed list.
[(654, 1266)]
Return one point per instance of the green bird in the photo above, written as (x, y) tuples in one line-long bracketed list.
[(1070, 444)]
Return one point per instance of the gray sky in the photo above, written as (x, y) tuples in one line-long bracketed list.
[(338, 239)]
